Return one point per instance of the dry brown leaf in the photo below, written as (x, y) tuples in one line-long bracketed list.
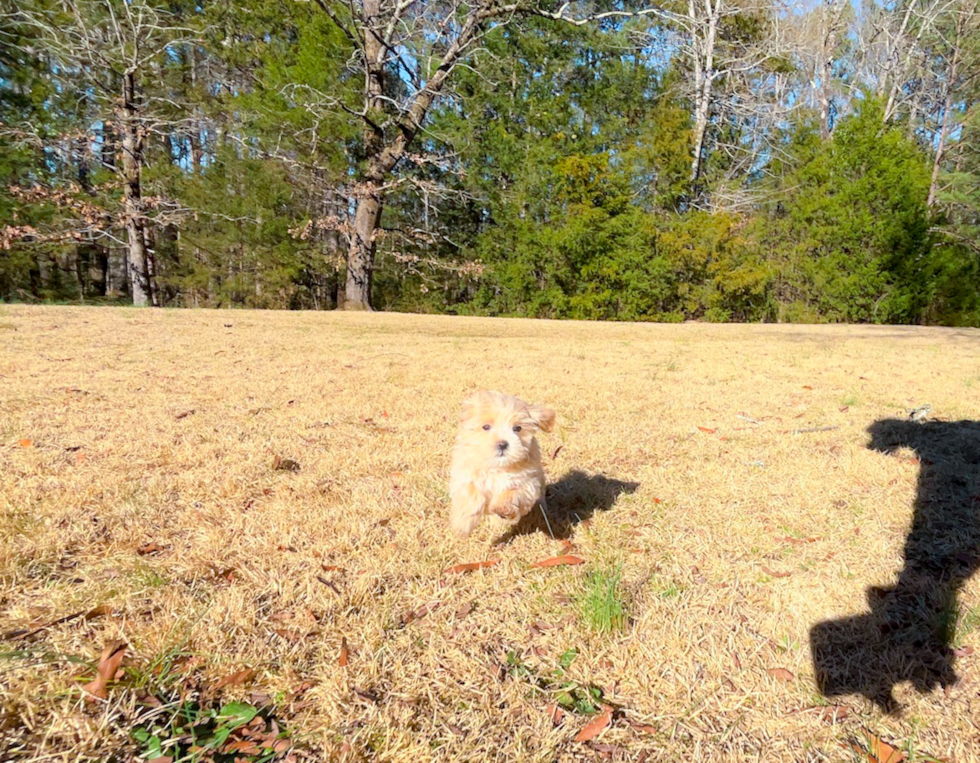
[(642, 728), (557, 561), (706, 429), (184, 415), (775, 573), (109, 662), (879, 751), (331, 568), (149, 548), (556, 451), (834, 713), (464, 610), (781, 674), (242, 676), (25, 443), (469, 567), (343, 659), (595, 726), (555, 713), (285, 464)]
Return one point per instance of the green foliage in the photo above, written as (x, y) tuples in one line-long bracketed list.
[(603, 606), (567, 693), (849, 237), (191, 732), (551, 179)]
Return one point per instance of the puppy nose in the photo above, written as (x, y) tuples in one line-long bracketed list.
[(501, 445)]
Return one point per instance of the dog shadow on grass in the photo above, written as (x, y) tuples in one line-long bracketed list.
[(909, 632), (573, 499)]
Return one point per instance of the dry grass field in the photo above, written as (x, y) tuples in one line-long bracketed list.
[(758, 519)]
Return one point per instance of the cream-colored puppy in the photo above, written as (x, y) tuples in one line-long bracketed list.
[(496, 467)]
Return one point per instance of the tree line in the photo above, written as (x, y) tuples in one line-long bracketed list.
[(722, 160)]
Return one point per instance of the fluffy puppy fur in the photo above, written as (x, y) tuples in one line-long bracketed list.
[(496, 466)]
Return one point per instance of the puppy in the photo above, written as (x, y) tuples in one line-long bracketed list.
[(496, 466)]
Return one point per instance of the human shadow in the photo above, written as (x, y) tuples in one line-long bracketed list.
[(572, 500), (908, 633)]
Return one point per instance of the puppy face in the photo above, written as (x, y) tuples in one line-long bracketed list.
[(499, 429)]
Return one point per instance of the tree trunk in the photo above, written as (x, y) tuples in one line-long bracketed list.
[(947, 107), (703, 44), (132, 163), (360, 254)]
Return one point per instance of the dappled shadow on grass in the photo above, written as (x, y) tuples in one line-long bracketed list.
[(908, 634), (572, 500)]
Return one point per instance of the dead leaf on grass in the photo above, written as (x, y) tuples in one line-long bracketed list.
[(343, 659), (557, 561), (774, 573), (556, 451), (643, 728), (25, 443), (110, 661), (781, 674), (150, 548), (185, 414), (285, 464), (469, 567), (464, 610), (878, 751), (834, 713), (706, 429), (242, 676), (595, 726)]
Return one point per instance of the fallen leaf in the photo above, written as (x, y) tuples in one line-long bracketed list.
[(242, 676), (109, 662), (331, 568), (342, 660), (658, 500), (556, 451), (25, 443), (834, 713), (557, 561), (706, 429), (285, 464), (781, 674), (149, 548), (963, 651), (773, 573), (596, 726), (843, 408), (807, 386), (469, 567), (184, 415), (228, 575), (555, 713), (643, 728), (464, 610), (879, 751)]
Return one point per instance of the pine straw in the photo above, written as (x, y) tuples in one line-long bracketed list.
[(366, 404)]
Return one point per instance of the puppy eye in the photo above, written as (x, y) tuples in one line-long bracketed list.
[(517, 428), (486, 427)]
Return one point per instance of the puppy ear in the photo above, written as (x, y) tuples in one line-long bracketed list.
[(543, 416), (471, 405)]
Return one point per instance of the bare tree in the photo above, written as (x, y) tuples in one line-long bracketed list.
[(105, 48), (406, 51)]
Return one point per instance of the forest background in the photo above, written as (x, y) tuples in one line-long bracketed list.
[(720, 160)]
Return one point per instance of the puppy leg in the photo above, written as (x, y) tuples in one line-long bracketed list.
[(466, 509), (506, 505)]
